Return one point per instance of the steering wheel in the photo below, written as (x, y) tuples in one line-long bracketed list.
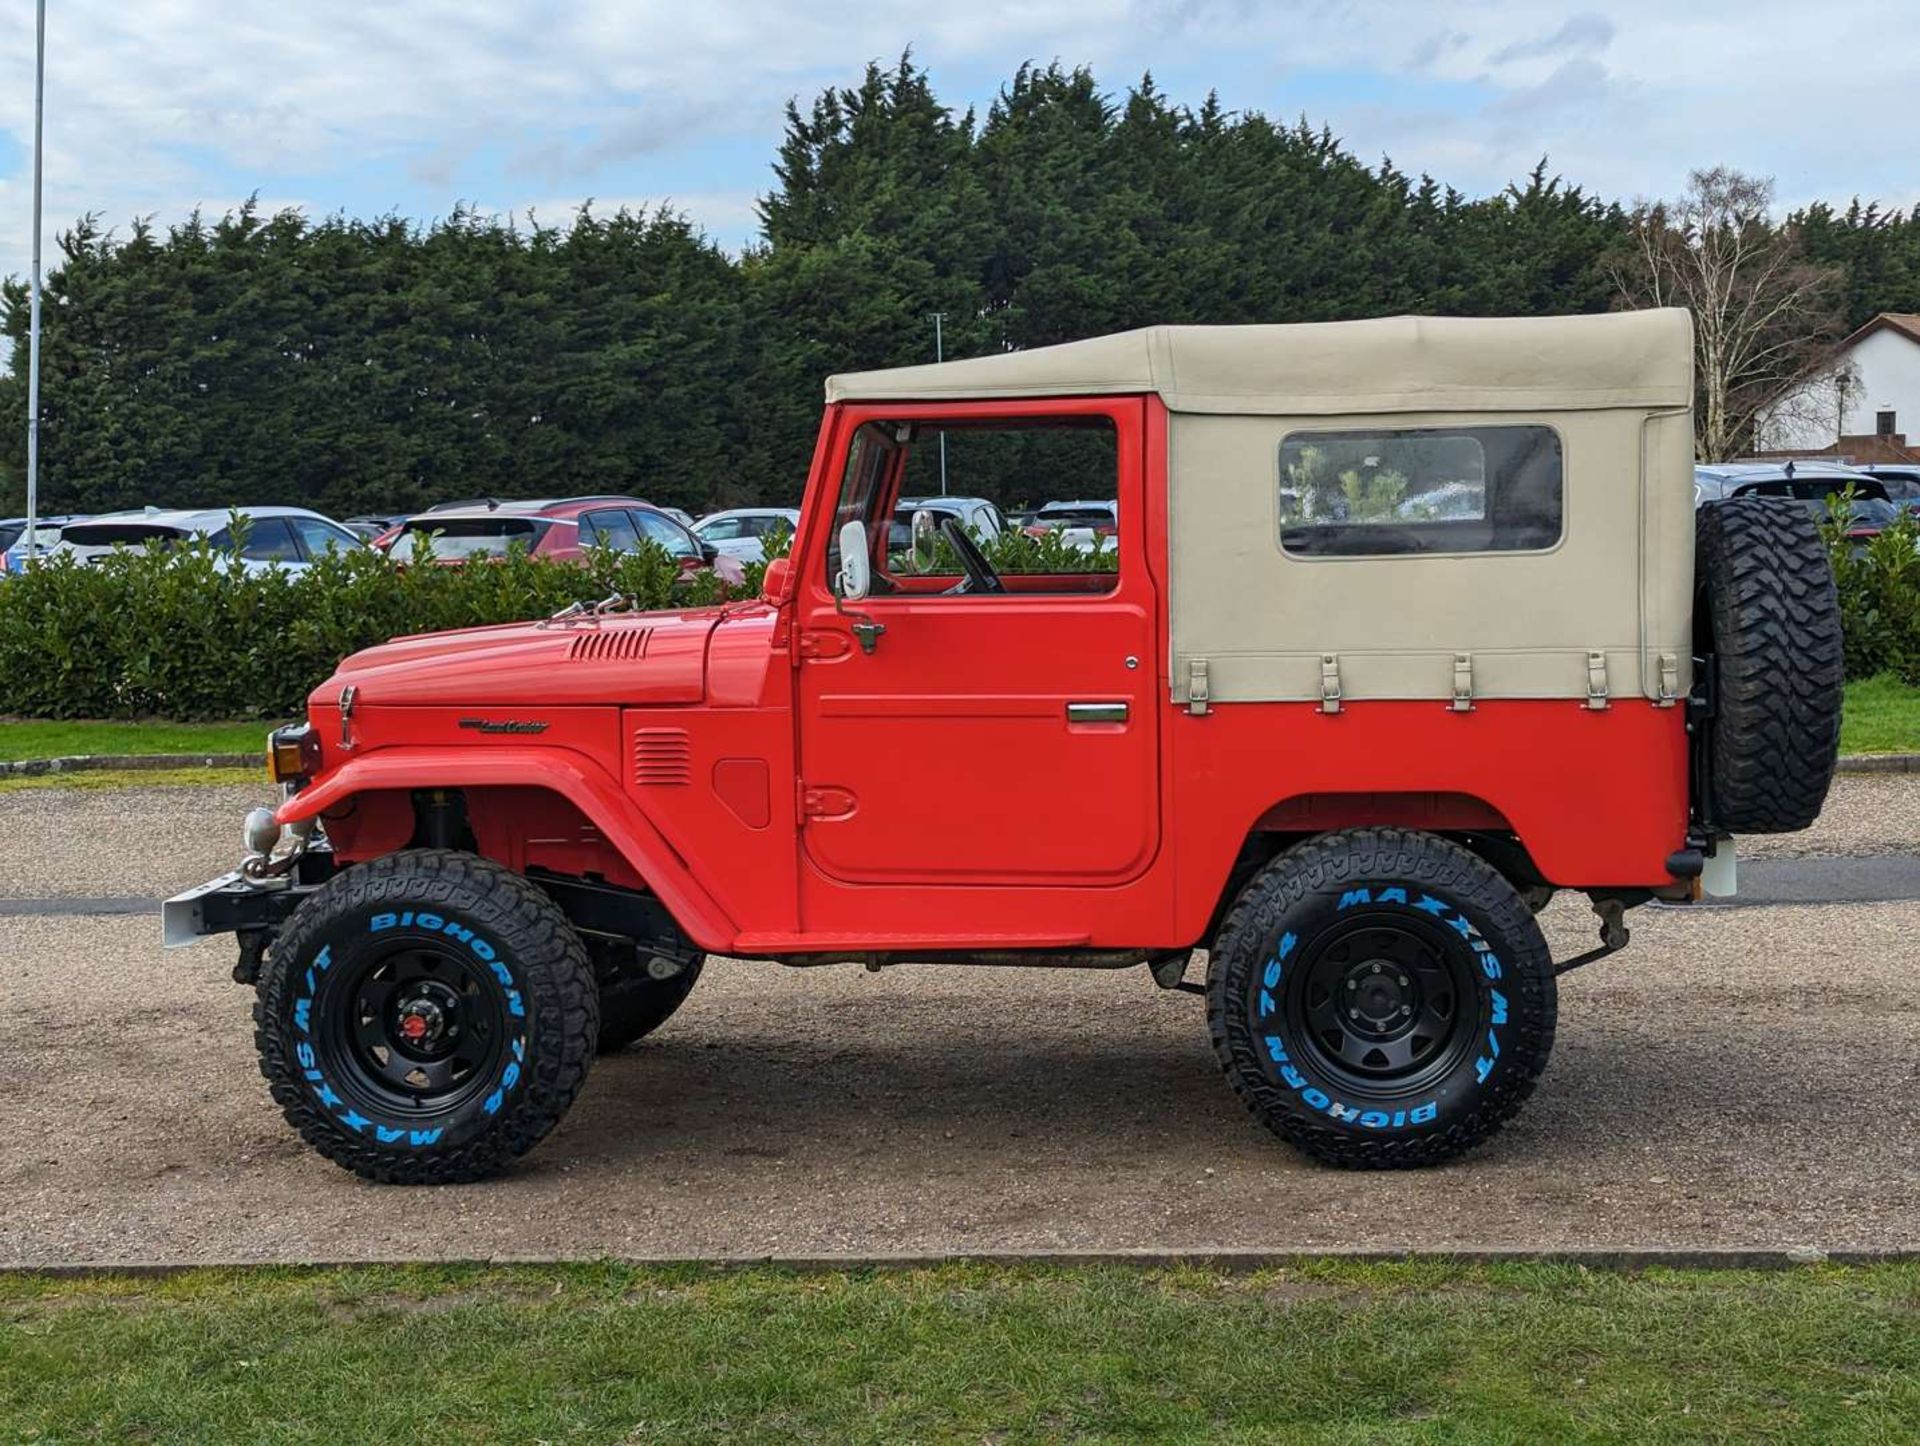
[(980, 574)]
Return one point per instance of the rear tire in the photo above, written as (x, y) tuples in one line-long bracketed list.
[(1381, 999), (1772, 637), (426, 1018)]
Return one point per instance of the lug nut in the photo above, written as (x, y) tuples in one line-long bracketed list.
[(1353, 1014), (1353, 984)]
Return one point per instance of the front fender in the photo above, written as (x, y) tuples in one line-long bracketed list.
[(589, 788)]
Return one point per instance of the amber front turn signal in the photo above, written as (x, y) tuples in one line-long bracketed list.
[(292, 753)]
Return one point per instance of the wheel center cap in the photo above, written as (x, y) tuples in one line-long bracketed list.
[(1380, 995), (421, 1021)]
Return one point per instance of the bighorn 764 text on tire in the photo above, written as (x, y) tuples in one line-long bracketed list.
[(1348, 647)]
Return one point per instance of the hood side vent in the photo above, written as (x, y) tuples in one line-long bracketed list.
[(625, 645), (662, 757)]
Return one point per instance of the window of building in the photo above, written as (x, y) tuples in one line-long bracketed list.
[(1883, 423), (1420, 490)]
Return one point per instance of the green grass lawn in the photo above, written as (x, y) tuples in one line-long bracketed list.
[(1333, 1351), (32, 738), (1882, 716)]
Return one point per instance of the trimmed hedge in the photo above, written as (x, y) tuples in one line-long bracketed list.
[(1879, 597), (191, 634)]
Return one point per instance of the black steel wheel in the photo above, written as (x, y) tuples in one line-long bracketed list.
[(1381, 998), (426, 1018)]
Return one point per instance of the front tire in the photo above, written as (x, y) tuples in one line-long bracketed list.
[(426, 1018), (1381, 999), (632, 1007)]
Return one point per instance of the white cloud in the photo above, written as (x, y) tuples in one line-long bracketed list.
[(155, 105)]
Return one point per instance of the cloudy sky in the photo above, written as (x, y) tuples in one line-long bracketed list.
[(411, 105)]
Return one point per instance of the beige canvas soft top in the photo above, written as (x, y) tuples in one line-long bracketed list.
[(1393, 364), (1603, 614)]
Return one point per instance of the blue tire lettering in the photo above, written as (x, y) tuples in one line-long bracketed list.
[(382, 921), (433, 923), (1272, 977), (1355, 896), (1499, 1006), (1316, 1098), (1424, 1114)]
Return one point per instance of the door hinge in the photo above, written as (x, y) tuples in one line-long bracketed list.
[(1329, 682), (1197, 694), (348, 695), (824, 643), (823, 802), (1463, 682), (1597, 681)]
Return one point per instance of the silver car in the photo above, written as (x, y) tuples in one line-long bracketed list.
[(288, 537), (741, 531)]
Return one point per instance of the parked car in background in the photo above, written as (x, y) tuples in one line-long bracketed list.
[(1901, 479), (1092, 526), (289, 537), (1809, 481), (13, 539), (562, 529), (979, 516), (373, 526), (680, 515), (1813, 483), (742, 531)]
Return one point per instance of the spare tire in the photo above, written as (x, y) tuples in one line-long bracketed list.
[(1767, 620)]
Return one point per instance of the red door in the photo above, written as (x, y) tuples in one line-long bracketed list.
[(988, 738)]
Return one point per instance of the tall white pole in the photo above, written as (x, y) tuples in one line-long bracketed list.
[(33, 304)]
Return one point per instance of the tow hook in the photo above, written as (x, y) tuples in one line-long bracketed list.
[(1613, 933)]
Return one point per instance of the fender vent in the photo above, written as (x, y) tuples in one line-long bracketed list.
[(623, 646), (662, 757)]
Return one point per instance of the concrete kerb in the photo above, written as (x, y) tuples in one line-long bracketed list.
[(132, 762), (1224, 1262), (148, 762)]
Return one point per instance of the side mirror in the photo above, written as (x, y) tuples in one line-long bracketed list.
[(925, 542), (856, 563), (709, 553), (777, 579)]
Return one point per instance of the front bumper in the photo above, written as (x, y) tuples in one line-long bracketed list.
[(235, 904)]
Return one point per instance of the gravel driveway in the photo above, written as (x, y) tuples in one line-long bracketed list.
[(1739, 1078)]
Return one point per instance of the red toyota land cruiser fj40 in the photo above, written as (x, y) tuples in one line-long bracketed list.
[(1406, 625)]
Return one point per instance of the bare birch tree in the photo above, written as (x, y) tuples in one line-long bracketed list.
[(1764, 317)]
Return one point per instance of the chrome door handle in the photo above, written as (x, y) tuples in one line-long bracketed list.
[(1096, 712)]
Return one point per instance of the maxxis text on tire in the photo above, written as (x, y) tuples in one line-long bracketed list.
[(632, 1008), (426, 1018), (1772, 621), (1381, 998)]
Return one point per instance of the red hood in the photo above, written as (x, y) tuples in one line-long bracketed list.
[(627, 658)]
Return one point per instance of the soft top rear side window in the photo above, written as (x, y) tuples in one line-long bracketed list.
[(1419, 490)]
